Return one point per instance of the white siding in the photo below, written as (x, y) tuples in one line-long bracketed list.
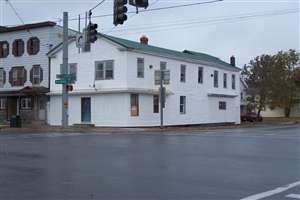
[(114, 109)]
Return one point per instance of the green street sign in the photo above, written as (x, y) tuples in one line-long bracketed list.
[(62, 81)]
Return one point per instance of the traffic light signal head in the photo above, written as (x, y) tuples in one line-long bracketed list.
[(92, 32), (139, 3), (69, 88), (120, 11)]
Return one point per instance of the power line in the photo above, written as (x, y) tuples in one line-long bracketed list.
[(15, 11), (158, 9), (97, 5), (162, 27)]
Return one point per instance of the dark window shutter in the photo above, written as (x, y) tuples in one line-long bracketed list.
[(29, 45), (41, 74), (31, 75), (1, 50), (14, 50), (21, 47), (11, 76), (25, 75), (4, 76), (33, 46)]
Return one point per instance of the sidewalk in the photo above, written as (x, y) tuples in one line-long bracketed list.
[(190, 128)]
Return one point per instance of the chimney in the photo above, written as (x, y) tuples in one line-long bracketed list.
[(232, 61), (144, 40)]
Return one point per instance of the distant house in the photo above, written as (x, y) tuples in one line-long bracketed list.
[(243, 89), (115, 86), (24, 69)]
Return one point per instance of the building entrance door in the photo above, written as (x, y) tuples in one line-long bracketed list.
[(86, 109), (11, 106)]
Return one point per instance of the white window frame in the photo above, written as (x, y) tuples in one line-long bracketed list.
[(28, 103), (224, 80), (104, 70), (140, 67), (233, 81), (3, 103), (200, 78), (216, 79), (222, 105), (182, 73), (36, 76), (182, 105)]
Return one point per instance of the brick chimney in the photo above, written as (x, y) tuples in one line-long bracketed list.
[(144, 40), (232, 61)]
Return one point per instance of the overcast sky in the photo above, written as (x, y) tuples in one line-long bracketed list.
[(244, 28)]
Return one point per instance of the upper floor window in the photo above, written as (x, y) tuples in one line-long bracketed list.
[(155, 103), (36, 75), (104, 70), (134, 104), (163, 65), (2, 77), (33, 46), (182, 105), (140, 67), (200, 74), (233, 81), (222, 105), (224, 80), (72, 69), (2, 103), (182, 73), (18, 48), (17, 76), (216, 79), (4, 49)]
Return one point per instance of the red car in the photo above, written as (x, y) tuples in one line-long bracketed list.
[(251, 117)]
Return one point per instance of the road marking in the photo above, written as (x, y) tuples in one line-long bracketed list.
[(271, 192), (294, 196)]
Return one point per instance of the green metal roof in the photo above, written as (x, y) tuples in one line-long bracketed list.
[(186, 54)]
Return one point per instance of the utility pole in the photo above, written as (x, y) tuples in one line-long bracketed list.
[(161, 99), (65, 100)]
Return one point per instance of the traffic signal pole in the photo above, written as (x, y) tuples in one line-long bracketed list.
[(161, 99), (65, 99)]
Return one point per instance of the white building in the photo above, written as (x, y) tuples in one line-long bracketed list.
[(115, 86), (24, 74)]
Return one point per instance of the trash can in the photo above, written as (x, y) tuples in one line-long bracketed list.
[(18, 121), (13, 121)]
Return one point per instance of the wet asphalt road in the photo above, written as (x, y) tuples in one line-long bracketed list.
[(222, 164)]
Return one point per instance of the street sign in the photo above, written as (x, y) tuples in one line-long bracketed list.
[(69, 78), (62, 81)]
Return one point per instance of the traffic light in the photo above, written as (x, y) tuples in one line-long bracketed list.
[(139, 3), (120, 11), (69, 88), (92, 32)]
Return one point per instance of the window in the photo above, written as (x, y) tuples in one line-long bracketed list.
[(182, 105), (2, 77), (155, 104), (224, 80), (18, 47), (104, 70), (233, 81), (200, 74), (216, 79), (222, 105), (26, 103), (17, 76), (4, 49), (36, 75), (2, 103), (163, 65), (134, 101), (33, 46), (182, 73), (73, 70), (140, 67)]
